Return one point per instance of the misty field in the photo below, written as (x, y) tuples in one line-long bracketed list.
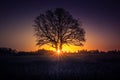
[(63, 67)]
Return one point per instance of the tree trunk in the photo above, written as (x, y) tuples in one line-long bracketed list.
[(58, 47)]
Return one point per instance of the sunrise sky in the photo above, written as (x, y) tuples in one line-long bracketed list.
[(101, 21)]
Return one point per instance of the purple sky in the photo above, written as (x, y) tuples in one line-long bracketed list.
[(101, 21)]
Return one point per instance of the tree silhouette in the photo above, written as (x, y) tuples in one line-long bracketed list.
[(57, 28)]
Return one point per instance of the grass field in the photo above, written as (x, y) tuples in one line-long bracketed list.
[(64, 67)]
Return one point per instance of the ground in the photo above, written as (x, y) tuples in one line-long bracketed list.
[(62, 67)]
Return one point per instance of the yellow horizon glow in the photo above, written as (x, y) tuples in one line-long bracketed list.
[(65, 48)]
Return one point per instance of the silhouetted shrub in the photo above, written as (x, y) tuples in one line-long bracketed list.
[(7, 51)]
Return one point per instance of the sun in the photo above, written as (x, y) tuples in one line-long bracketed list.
[(58, 51)]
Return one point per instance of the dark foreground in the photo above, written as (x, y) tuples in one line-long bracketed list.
[(66, 67)]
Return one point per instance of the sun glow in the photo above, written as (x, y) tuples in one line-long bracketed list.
[(58, 51), (65, 48)]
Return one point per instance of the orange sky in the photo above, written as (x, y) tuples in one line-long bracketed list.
[(26, 41)]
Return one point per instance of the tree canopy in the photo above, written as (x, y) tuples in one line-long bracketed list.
[(57, 28)]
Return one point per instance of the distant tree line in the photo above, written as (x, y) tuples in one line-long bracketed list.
[(12, 52), (98, 52)]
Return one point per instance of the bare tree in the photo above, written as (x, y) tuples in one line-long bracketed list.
[(58, 27)]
